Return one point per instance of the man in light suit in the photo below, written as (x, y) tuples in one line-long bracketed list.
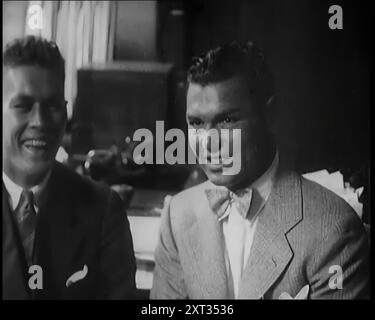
[(264, 233), (64, 236)]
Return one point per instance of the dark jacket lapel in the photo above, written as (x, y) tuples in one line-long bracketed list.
[(58, 235), (14, 264), (270, 252)]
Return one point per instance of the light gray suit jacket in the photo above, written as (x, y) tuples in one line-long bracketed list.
[(303, 231)]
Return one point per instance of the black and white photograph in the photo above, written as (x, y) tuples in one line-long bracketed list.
[(198, 150)]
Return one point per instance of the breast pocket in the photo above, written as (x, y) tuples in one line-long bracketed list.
[(81, 284)]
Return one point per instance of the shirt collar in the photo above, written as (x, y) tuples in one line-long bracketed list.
[(14, 191)]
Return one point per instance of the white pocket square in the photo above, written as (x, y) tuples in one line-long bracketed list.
[(77, 276), (302, 295)]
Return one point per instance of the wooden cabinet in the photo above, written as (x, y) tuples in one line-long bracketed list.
[(117, 98)]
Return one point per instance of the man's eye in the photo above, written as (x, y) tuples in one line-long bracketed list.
[(23, 107), (195, 122), (227, 120), (56, 106)]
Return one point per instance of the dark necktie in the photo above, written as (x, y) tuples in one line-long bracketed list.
[(26, 219)]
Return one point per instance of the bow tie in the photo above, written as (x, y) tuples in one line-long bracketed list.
[(220, 198)]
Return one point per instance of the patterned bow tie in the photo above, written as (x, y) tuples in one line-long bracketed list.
[(220, 198)]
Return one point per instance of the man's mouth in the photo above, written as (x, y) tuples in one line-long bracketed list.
[(217, 160), (37, 144)]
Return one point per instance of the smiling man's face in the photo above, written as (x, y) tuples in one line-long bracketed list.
[(34, 120)]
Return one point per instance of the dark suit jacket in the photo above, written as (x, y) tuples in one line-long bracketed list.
[(303, 231), (81, 223)]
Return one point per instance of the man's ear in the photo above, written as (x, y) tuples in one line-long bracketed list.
[(7, 86)]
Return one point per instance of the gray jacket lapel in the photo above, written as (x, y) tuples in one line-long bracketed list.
[(270, 252), (206, 245)]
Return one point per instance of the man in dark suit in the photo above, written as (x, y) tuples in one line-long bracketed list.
[(264, 232), (64, 236)]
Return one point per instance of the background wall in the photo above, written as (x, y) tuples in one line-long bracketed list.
[(14, 13), (135, 37)]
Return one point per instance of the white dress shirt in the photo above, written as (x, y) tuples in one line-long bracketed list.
[(14, 191), (239, 232)]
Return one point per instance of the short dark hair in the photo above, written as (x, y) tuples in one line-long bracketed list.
[(234, 59), (35, 51)]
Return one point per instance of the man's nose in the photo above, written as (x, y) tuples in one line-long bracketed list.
[(212, 140), (38, 116)]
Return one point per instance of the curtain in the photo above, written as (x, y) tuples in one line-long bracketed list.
[(83, 30)]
